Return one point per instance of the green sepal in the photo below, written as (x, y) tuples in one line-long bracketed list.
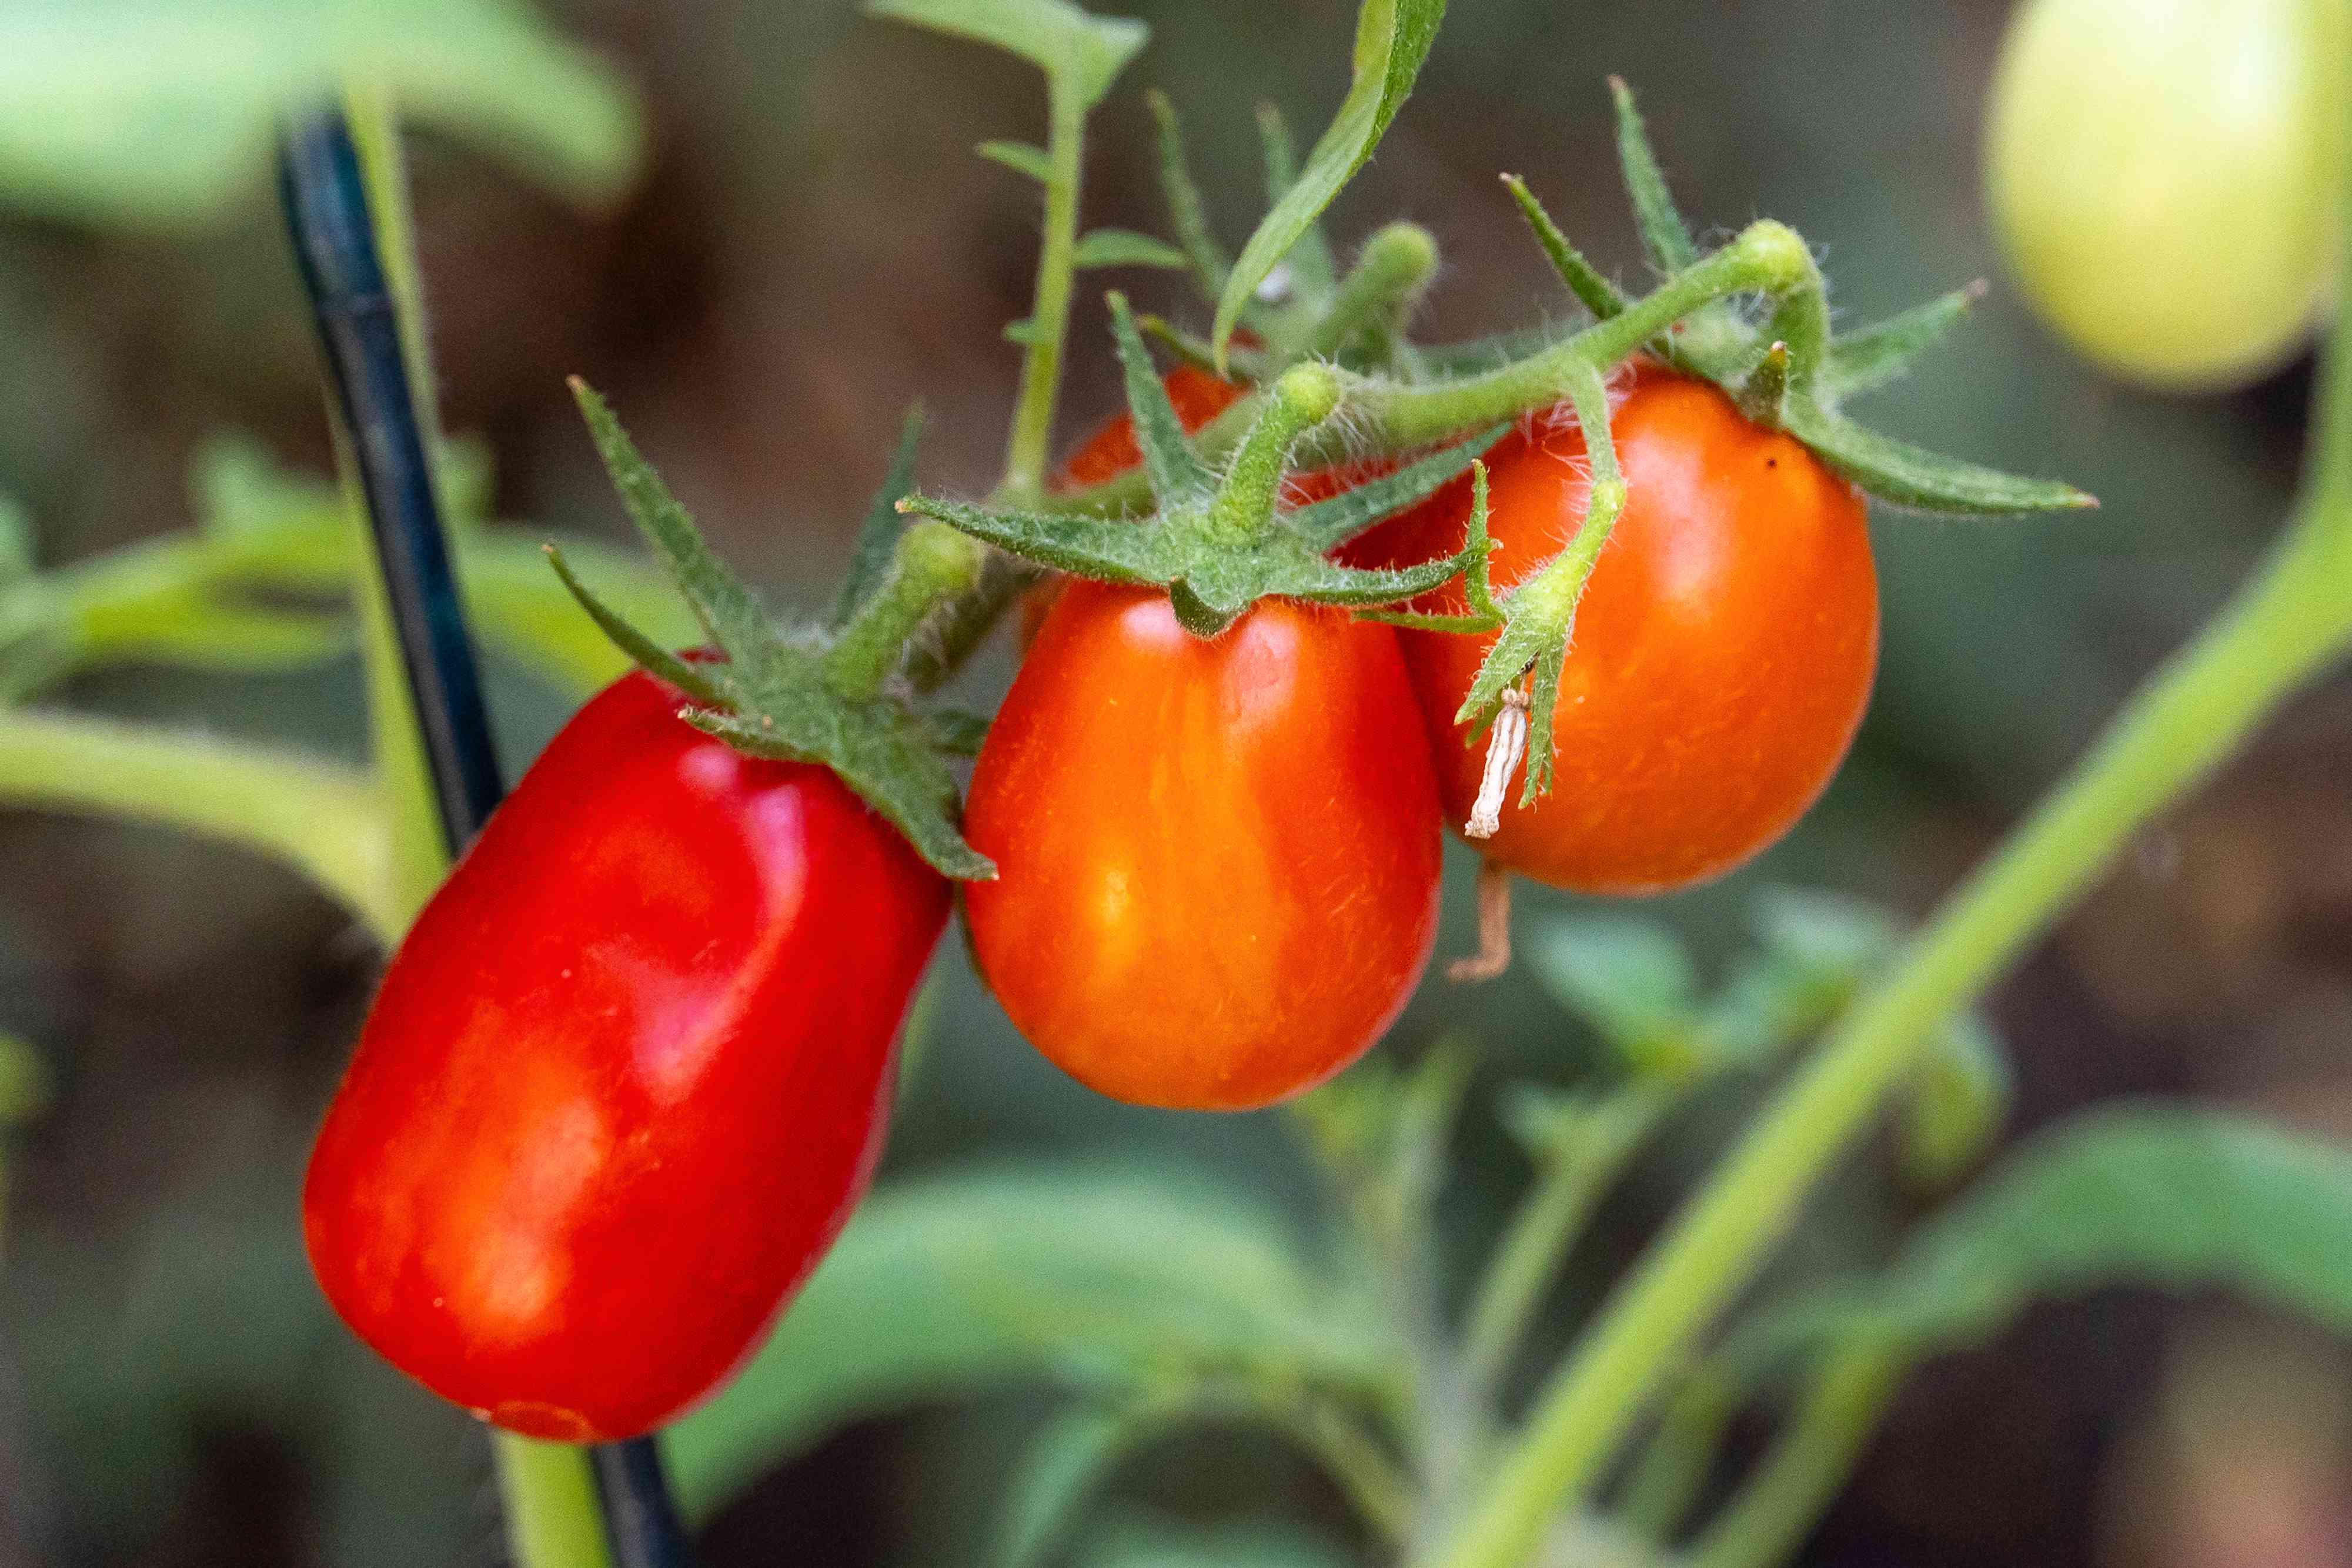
[(882, 751), (1125, 247), (1106, 549), (1477, 551), (1862, 361), (702, 682), (1332, 523), (1174, 468), (1664, 235), (1905, 475), (770, 697), (1583, 279), (879, 533), (956, 733), (1021, 157), (726, 606), (1186, 212)]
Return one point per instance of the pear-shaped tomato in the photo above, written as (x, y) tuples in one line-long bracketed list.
[(1723, 650), (625, 1078), (1217, 858)]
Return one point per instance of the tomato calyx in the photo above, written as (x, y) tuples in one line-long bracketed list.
[(1219, 546), (827, 693)]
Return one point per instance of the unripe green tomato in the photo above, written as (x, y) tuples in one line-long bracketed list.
[(2166, 177)]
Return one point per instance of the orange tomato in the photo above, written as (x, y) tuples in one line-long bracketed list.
[(1723, 651), (1218, 859)]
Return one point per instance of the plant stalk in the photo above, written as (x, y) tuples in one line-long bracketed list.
[(1049, 316)]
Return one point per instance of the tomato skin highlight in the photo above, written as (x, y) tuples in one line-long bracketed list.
[(625, 1078), (1723, 652), (1218, 860)]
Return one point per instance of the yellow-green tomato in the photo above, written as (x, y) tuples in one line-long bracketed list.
[(2166, 177)]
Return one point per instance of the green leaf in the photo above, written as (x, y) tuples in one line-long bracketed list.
[(1870, 358), (1023, 331), (1021, 157), (1080, 53), (1953, 1111), (727, 608), (1326, 525), (949, 1286), (1175, 469), (879, 534), (155, 114), (202, 631), (1125, 247), (1630, 979), (1905, 476), (1392, 38), (1664, 233), (1829, 934), (1063, 1467), (1313, 273), (2148, 1195)]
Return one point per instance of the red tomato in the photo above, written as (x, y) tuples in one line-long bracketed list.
[(625, 1078), (1218, 859), (1723, 651)]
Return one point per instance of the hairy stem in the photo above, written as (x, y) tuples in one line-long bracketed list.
[(1049, 316)]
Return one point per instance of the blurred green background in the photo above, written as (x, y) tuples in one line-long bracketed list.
[(812, 247)]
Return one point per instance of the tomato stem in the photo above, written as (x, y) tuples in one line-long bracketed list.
[(1300, 400), (930, 565), (1049, 316), (1379, 294), (1767, 1520)]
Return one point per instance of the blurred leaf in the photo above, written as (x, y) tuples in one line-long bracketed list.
[(15, 542), (1124, 247), (947, 1286), (24, 1082), (1139, 1540), (1828, 933), (1061, 1468), (2148, 1195), (1082, 53), (1392, 38), (155, 113), (1630, 979), (1021, 158), (1955, 1108)]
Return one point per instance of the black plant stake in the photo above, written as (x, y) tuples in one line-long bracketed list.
[(334, 245)]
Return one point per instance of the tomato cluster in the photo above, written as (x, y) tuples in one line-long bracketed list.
[(615, 1097)]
